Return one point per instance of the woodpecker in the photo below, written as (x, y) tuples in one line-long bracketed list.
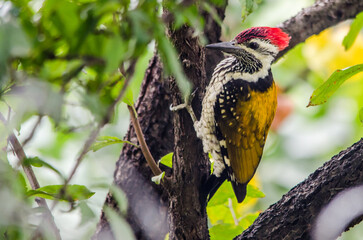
[(239, 106)]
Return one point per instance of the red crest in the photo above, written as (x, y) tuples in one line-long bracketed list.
[(275, 35)]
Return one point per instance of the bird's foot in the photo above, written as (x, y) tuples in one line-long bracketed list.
[(186, 105), (187, 102), (178, 107)]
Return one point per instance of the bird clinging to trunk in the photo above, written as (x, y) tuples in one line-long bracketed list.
[(239, 106)]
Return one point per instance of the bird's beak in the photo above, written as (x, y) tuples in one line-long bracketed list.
[(228, 47)]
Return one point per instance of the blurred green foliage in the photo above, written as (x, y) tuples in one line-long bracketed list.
[(248, 7), (355, 28), (66, 62), (37, 162), (119, 226), (71, 194), (105, 141)]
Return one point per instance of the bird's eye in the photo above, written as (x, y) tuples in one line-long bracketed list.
[(253, 45)]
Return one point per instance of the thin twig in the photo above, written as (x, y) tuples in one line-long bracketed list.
[(31, 135), (88, 60), (92, 137), (230, 206), (144, 148), (28, 170)]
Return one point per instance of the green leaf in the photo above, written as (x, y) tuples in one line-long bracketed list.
[(41, 194), (21, 183), (167, 160), (224, 192), (120, 197), (105, 141), (73, 192), (171, 60), (37, 96), (128, 97), (157, 179), (138, 76), (59, 70), (219, 214), (211, 10), (37, 162), (78, 192), (254, 192), (354, 30), (324, 91), (248, 7), (120, 228), (166, 236), (248, 220), (86, 213), (13, 40), (114, 52), (224, 231), (361, 115), (64, 19)]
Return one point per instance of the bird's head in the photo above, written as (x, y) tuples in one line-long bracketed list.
[(262, 42)]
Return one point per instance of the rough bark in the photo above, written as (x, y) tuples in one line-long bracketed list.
[(160, 127), (293, 216), (147, 211), (190, 165), (187, 218)]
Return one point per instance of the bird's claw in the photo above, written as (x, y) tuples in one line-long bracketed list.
[(187, 102), (190, 98), (187, 105), (177, 107)]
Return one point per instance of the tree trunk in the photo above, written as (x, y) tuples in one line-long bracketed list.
[(190, 165), (147, 210)]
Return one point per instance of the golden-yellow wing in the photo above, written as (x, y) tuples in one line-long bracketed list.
[(244, 114)]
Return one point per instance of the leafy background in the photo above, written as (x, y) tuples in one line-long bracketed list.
[(58, 77)]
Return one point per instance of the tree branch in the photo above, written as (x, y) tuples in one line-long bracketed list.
[(31, 135), (293, 216), (144, 148), (312, 20), (33, 181)]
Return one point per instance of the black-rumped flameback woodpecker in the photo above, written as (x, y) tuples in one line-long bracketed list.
[(239, 106)]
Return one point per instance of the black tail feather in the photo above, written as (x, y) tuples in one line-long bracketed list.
[(240, 190), (213, 183), (211, 186)]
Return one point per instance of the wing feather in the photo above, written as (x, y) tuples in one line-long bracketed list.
[(244, 120)]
